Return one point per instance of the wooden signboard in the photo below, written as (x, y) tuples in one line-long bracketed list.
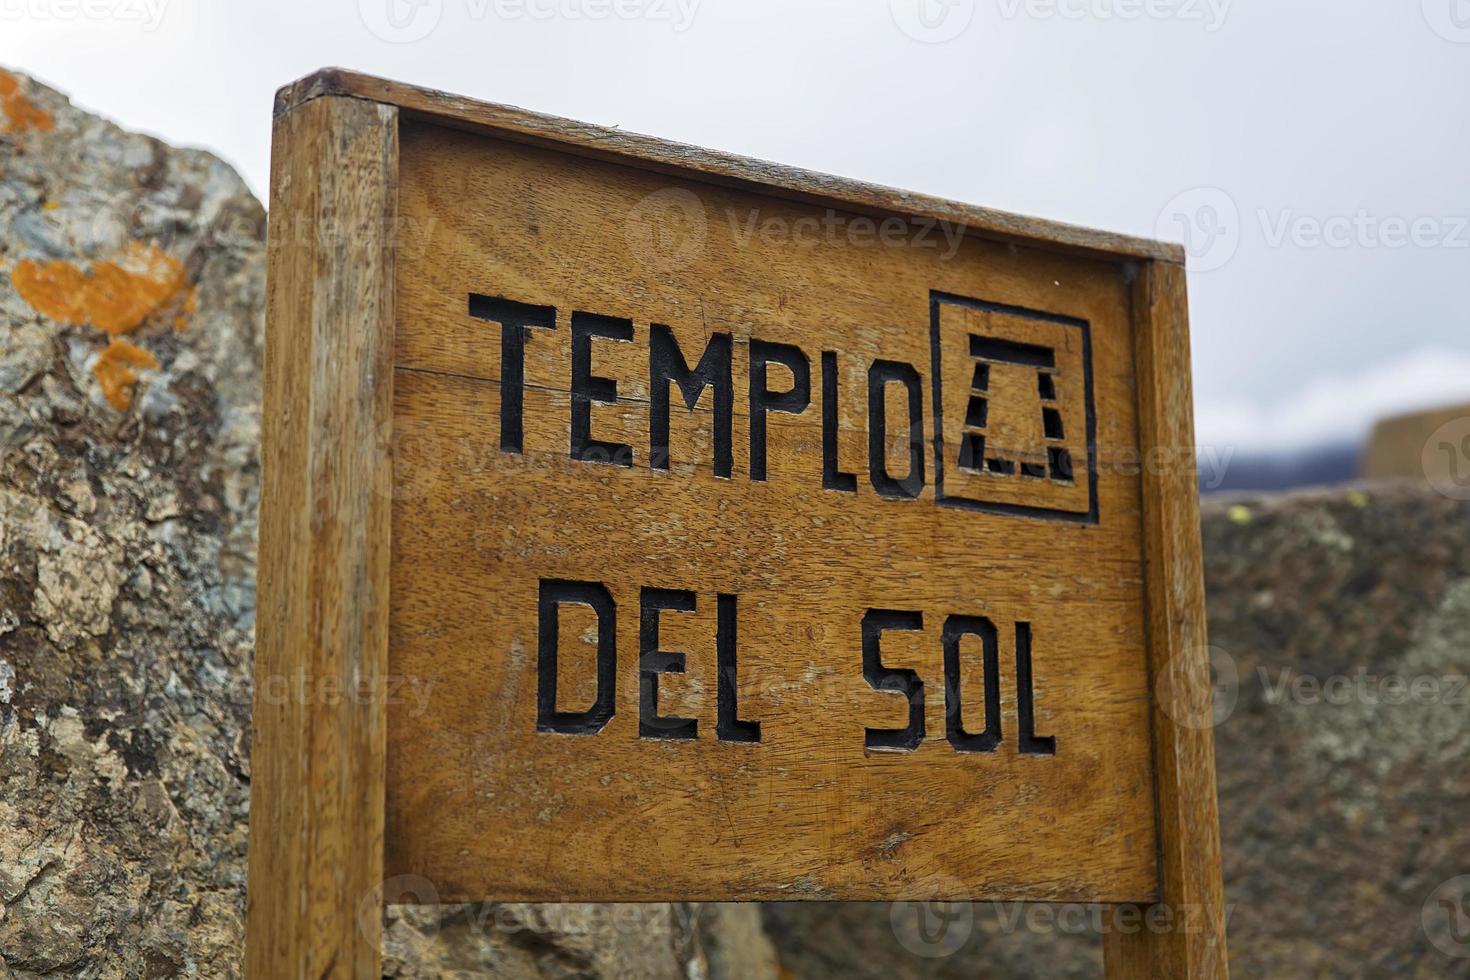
[(643, 523)]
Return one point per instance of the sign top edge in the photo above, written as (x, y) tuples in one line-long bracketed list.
[(714, 166)]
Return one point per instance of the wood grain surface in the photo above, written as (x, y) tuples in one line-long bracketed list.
[(316, 804), (677, 159), (487, 806), (905, 602), (1191, 939)]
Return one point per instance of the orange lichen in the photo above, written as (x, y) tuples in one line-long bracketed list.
[(114, 371), (187, 308), (115, 296), (21, 114)]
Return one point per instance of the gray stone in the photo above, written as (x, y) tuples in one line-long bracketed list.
[(124, 772)]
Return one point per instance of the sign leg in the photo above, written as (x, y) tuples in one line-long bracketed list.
[(317, 788), (1184, 935)]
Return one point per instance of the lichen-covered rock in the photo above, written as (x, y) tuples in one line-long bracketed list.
[(1344, 766), (131, 280)]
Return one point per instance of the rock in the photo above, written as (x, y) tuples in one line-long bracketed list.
[(124, 707), (1343, 799), (579, 942)]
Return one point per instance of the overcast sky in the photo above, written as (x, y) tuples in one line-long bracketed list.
[(1314, 153)]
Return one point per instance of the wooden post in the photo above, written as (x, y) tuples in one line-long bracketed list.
[(1187, 934), (317, 789)]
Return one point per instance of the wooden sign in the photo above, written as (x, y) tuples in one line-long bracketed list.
[(642, 523)]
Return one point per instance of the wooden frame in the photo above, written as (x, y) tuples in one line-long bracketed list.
[(317, 828)]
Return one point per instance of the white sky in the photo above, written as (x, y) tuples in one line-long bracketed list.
[(1318, 149)]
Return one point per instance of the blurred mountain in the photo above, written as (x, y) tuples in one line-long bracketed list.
[(1281, 470)]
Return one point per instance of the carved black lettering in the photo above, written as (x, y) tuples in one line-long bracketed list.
[(728, 726), (652, 661), (879, 376), (1012, 352), (516, 322), (666, 364), (554, 594), (1031, 743), (762, 400), (903, 681), (957, 628), (832, 477), (588, 388)]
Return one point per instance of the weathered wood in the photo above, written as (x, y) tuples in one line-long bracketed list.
[(662, 156), (486, 806), (1187, 938), (316, 822)]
